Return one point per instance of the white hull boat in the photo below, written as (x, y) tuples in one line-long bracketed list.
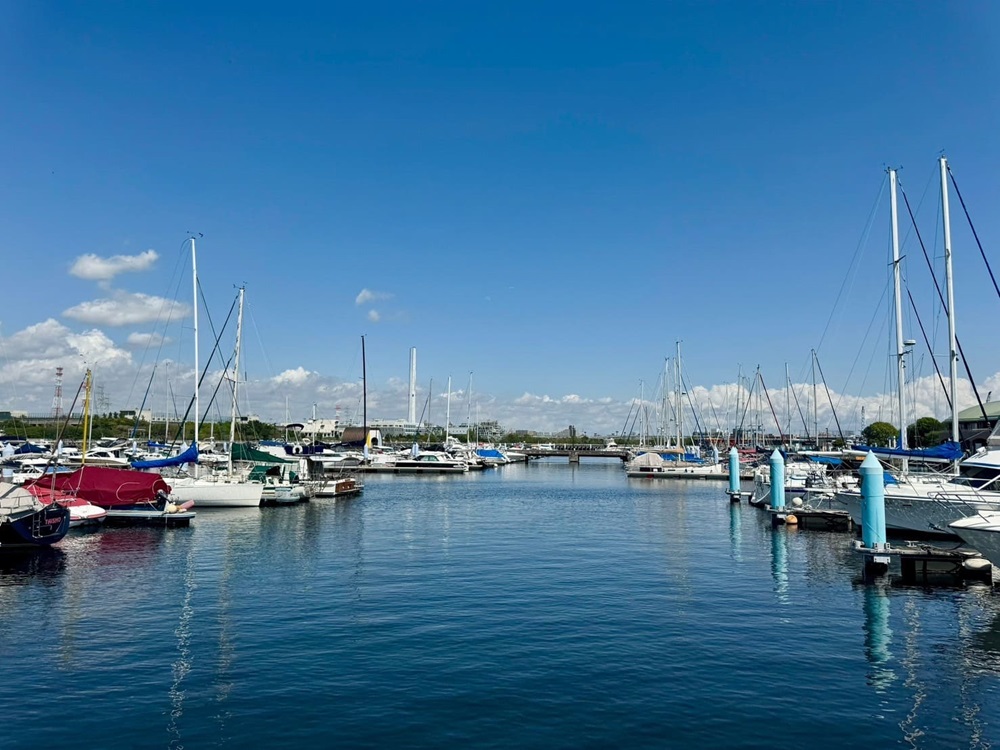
[(216, 493), (982, 532)]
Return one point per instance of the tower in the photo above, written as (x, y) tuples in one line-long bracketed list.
[(57, 402)]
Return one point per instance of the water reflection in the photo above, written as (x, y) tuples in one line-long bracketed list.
[(779, 564), (735, 532), (878, 638), (17, 568), (182, 664)]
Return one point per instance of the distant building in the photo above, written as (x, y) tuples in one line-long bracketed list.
[(318, 429), (973, 427)]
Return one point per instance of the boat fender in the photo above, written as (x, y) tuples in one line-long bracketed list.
[(976, 564), (187, 505), (791, 520), (171, 508)]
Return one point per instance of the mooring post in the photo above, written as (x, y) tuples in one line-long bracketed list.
[(777, 463), (734, 474), (873, 515)]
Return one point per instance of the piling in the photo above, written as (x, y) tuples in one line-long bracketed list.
[(873, 516), (777, 463), (734, 474)]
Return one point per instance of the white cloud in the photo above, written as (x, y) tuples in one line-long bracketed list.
[(96, 268), (125, 308), (30, 358), (367, 295), (373, 316), (295, 377), (144, 340)]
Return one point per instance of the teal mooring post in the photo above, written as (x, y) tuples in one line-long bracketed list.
[(876, 551), (734, 471), (872, 502), (777, 480)]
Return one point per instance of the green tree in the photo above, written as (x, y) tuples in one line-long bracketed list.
[(880, 434), (925, 432)]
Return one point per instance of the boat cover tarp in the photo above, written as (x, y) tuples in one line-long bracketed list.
[(106, 487), (947, 451), (489, 453), (243, 452), (190, 456), (828, 460), (646, 461), (26, 448)]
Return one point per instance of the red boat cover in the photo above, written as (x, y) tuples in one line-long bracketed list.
[(108, 488)]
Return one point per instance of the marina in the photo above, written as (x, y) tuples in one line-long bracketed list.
[(494, 609)]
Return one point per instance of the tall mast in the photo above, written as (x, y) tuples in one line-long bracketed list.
[(900, 343), (447, 417), (364, 399), (642, 406), (468, 419), (949, 283), (815, 401), (788, 405), (680, 407), (664, 420), (236, 380), (197, 369)]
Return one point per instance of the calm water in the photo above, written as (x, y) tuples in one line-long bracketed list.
[(536, 606)]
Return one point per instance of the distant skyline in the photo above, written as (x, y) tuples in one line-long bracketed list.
[(544, 195)]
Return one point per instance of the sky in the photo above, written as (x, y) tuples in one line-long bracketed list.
[(542, 198)]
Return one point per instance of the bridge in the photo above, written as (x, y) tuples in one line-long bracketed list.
[(575, 452)]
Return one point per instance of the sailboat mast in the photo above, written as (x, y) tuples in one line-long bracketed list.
[(664, 419), (949, 283), (788, 405), (236, 380), (900, 343), (815, 400), (447, 416), (468, 420), (364, 390), (197, 368), (677, 391)]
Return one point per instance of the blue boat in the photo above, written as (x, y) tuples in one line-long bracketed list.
[(26, 523)]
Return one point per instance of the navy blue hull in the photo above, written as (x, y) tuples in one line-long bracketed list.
[(40, 529)]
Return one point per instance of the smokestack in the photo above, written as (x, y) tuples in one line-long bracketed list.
[(411, 415)]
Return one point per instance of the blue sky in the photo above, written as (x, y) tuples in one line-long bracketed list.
[(548, 195)]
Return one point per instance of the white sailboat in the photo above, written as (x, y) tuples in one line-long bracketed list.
[(676, 463), (216, 490), (928, 505)]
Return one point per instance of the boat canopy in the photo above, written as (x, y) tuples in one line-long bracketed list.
[(106, 487), (190, 456), (26, 448), (243, 452), (947, 451)]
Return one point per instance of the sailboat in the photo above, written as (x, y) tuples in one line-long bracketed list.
[(26, 522), (928, 505), (676, 463), (216, 490)]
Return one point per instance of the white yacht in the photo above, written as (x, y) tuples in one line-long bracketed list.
[(981, 531)]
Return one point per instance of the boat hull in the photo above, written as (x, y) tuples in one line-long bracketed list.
[(679, 472), (927, 516), (981, 533), (40, 528), (211, 494)]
